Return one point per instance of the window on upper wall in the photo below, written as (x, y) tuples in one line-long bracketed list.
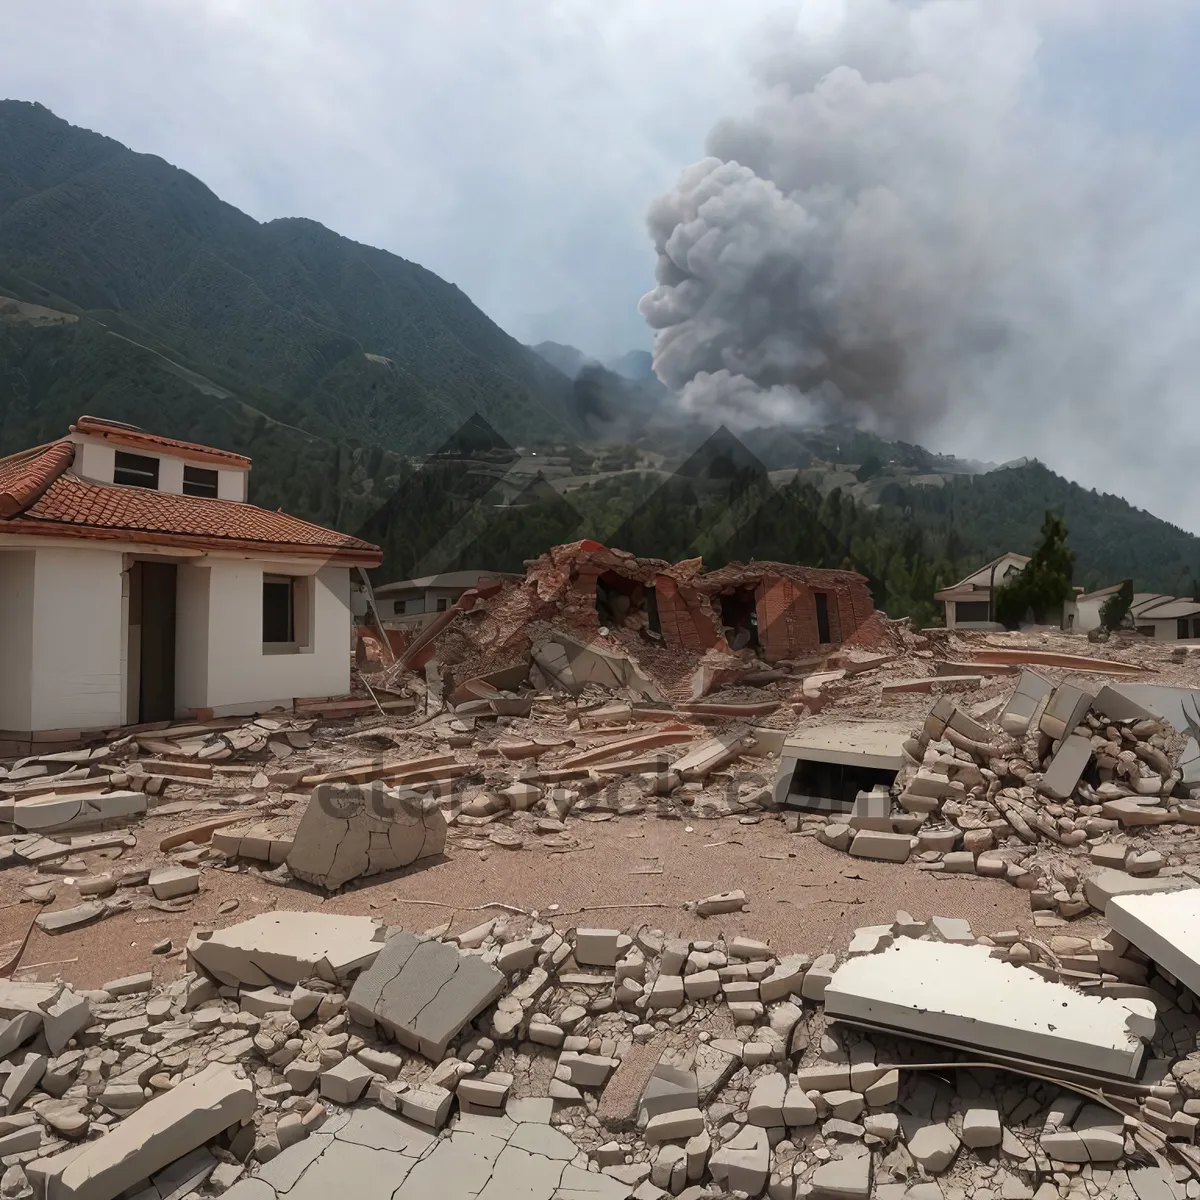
[(136, 470), (442, 603), (398, 607), (197, 481)]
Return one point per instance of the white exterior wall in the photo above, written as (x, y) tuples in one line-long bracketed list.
[(239, 675), (231, 485), (95, 460), (192, 582), (170, 474), (77, 675), (16, 639)]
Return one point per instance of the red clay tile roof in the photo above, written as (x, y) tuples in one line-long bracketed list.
[(121, 434), (24, 477), (37, 496)]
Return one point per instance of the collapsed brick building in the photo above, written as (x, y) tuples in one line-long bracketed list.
[(667, 616), (779, 611)]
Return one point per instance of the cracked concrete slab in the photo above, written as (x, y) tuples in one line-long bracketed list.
[(350, 830), (288, 947), (389, 1158), (423, 993)]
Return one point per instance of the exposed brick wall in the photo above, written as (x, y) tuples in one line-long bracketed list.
[(682, 618), (787, 616)]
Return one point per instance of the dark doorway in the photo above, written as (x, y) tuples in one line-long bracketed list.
[(156, 588), (626, 603), (831, 787), (822, 599), (739, 616)]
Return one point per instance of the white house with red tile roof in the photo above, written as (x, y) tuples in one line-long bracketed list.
[(137, 585)]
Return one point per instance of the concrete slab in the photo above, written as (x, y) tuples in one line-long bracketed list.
[(167, 1127), (1165, 926), (423, 993), (350, 830), (51, 814), (288, 947), (1116, 704), (877, 745), (961, 996), (1109, 883)]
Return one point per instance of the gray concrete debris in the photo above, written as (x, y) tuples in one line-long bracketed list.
[(1064, 710), (423, 993), (153, 1137), (288, 947), (1067, 767), (1031, 690), (349, 831)]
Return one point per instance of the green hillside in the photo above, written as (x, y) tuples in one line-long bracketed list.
[(360, 342)]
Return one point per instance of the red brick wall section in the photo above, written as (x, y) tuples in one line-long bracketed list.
[(787, 616), (682, 618)]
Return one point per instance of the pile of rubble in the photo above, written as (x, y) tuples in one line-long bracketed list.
[(304, 1049), (1071, 781)]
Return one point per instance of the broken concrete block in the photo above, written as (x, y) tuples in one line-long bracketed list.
[(674, 1126), (886, 847), (1065, 709), (845, 1178), (668, 1089), (345, 1082), (167, 883), (981, 1126), (427, 1105), (724, 902), (931, 1143), (765, 1108), (961, 996), (70, 918), (161, 1131), (743, 1163), (288, 947), (51, 1007), (596, 947), (667, 992), (351, 830), (1030, 691), (1067, 767), (423, 993)]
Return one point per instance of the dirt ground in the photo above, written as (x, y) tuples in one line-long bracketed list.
[(802, 896)]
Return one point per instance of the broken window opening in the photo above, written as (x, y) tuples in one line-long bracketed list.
[(823, 637), (739, 618), (832, 787), (625, 603)]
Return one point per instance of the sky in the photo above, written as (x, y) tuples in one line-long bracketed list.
[(515, 147)]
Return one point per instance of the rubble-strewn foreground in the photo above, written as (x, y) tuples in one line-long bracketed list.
[(304, 989)]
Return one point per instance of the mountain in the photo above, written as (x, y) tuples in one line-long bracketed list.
[(351, 340)]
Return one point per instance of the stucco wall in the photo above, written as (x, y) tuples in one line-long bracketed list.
[(77, 670), (16, 638), (192, 584), (240, 675)]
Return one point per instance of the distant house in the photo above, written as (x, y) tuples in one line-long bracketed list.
[(415, 602), (1083, 613), (1168, 618), (969, 603), (137, 585)]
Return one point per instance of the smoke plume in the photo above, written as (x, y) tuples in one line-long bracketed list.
[(912, 229)]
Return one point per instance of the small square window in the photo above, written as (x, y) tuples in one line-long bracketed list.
[(197, 481), (442, 603), (398, 607), (136, 470)]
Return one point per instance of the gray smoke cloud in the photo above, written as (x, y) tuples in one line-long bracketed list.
[(907, 231)]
